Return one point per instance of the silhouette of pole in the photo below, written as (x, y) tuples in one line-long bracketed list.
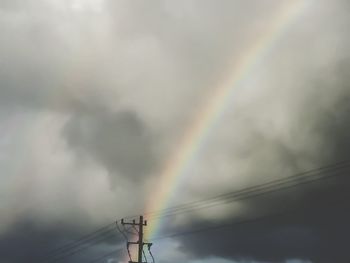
[(140, 239), (140, 242)]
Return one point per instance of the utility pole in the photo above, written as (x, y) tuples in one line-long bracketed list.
[(140, 242)]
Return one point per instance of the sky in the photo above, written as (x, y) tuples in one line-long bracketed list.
[(97, 95)]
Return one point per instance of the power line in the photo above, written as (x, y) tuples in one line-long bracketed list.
[(269, 187), (261, 192), (235, 223), (299, 176), (80, 239), (265, 188), (125, 238), (79, 247)]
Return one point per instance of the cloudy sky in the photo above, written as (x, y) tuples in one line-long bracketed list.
[(97, 95)]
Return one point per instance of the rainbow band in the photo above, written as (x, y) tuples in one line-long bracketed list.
[(175, 170)]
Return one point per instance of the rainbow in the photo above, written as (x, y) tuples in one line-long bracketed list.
[(175, 170)]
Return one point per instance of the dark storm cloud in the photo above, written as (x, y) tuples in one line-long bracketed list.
[(119, 141), (315, 230), (314, 221), (29, 242)]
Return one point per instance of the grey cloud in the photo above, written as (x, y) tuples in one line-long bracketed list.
[(299, 119), (317, 229), (119, 141), (128, 80)]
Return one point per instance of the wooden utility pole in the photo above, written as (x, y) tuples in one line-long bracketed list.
[(140, 242)]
